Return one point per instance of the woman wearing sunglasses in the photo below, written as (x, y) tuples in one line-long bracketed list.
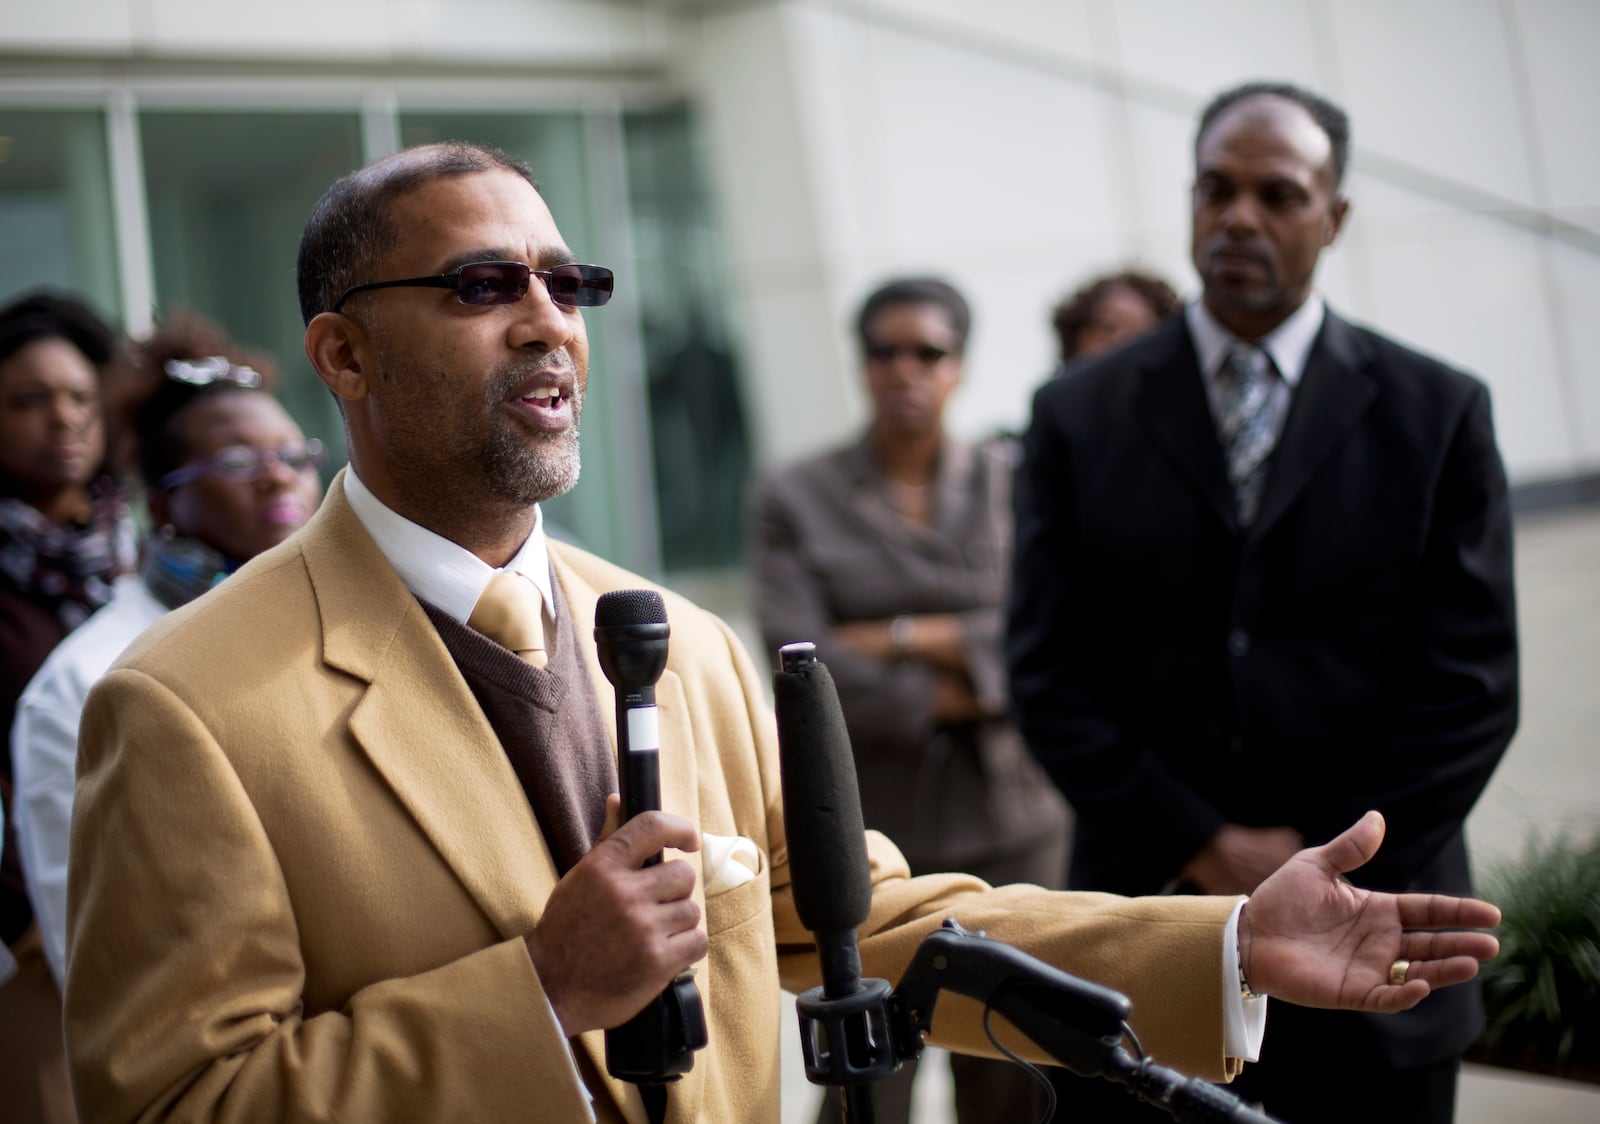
[(228, 474), (892, 553)]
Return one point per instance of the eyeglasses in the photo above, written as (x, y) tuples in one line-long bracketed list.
[(925, 353), (506, 282), (213, 368), (241, 464)]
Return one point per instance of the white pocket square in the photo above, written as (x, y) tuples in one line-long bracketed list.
[(730, 860)]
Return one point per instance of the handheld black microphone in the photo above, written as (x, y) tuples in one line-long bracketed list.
[(846, 1034), (630, 632)]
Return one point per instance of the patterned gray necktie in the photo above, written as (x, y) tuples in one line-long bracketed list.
[(1244, 423)]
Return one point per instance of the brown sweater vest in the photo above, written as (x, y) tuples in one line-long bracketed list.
[(549, 725)]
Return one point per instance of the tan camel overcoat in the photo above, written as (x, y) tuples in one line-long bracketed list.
[(302, 871)]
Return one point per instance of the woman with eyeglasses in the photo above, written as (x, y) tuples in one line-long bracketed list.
[(65, 536), (892, 553), (227, 475)]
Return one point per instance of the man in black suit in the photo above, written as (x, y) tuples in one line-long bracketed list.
[(1258, 546)]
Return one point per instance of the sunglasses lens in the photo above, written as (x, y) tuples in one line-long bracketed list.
[(583, 286), (924, 353), (492, 282)]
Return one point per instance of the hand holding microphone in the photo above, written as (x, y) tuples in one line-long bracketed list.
[(657, 1044), (615, 932), (621, 928)]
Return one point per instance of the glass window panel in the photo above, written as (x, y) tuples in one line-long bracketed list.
[(228, 195), (594, 513), (55, 207), (699, 436)]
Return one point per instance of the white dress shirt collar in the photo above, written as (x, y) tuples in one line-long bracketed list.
[(445, 575), (1289, 343)]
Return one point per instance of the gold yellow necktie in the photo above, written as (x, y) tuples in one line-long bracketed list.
[(510, 612)]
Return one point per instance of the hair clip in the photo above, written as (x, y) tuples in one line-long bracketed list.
[(213, 368)]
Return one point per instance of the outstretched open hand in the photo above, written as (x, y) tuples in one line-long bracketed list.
[(1308, 936)]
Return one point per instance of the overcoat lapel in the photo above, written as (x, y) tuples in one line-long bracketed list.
[(420, 726), (1335, 390), (1171, 404)]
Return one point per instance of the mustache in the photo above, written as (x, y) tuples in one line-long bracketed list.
[(1251, 249), (508, 378)]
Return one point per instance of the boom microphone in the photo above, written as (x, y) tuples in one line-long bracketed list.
[(846, 1033), (630, 633), (821, 804)]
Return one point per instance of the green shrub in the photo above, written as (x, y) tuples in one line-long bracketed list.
[(1542, 993)]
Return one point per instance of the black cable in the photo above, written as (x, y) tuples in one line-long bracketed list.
[(1035, 1071)]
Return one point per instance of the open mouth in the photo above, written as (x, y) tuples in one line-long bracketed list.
[(545, 398)]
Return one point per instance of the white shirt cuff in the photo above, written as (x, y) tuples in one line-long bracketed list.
[(1244, 1021)]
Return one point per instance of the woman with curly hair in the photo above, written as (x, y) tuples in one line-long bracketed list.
[(1110, 310), (65, 537)]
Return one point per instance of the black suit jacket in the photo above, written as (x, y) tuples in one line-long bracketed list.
[(1355, 648)]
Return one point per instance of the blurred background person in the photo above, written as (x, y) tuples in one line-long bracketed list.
[(892, 554), (227, 474), (65, 536), (1107, 311)]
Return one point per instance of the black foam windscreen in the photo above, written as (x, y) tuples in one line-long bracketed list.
[(822, 806), (629, 606)]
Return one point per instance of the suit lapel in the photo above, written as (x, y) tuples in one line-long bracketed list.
[(1171, 404), (1335, 390), (420, 726)]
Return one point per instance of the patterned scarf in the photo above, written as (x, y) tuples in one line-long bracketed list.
[(177, 570), (68, 568)]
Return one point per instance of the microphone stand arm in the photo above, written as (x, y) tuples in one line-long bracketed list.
[(1078, 1023)]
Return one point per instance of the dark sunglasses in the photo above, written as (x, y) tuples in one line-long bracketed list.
[(240, 464), (506, 282), (925, 353)]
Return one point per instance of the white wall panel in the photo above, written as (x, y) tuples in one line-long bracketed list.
[(1559, 41), (1430, 82), (1035, 28), (1471, 290), (752, 81), (1577, 282), (1202, 49), (498, 31), (84, 26)]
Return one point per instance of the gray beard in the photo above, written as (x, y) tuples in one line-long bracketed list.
[(523, 475)]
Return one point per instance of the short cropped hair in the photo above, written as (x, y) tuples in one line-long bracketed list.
[(1330, 118), (352, 226), (916, 290)]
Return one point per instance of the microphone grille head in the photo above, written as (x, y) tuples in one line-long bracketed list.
[(629, 606)]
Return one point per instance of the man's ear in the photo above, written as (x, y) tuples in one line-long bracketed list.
[(1337, 214), (337, 348)]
